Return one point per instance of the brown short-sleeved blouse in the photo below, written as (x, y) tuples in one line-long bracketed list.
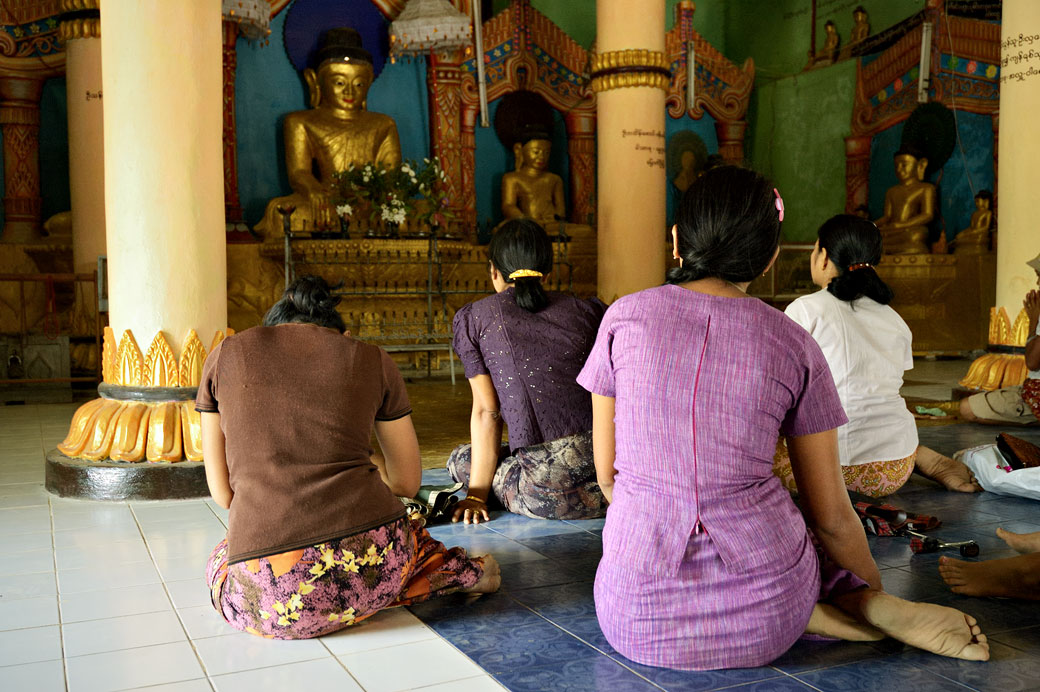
[(297, 404)]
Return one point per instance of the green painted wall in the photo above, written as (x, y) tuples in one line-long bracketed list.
[(798, 126)]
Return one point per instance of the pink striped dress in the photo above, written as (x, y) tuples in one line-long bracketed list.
[(707, 562)]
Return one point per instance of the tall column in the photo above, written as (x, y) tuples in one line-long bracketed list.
[(444, 84), (164, 209), (232, 205), (857, 171), (20, 122), (82, 38), (581, 151), (1019, 150), (630, 75)]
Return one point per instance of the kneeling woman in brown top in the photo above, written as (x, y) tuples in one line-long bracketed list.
[(317, 539)]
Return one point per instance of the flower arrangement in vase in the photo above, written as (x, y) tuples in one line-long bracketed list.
[(390, 197)]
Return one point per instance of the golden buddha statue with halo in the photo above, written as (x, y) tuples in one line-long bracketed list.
[(974, 240), (909, 206), (531, 190), (336, 133)]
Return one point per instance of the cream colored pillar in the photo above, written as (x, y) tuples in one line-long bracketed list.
[(82, 38), (630, 75), (1019, 239), (164, 214)]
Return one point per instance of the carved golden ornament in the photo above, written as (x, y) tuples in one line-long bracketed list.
[(71, 29), (1019, 334), (80, 5), (129, 362), (999, 326), (193, 355), (108, 356), (160, 365), (630, 68), (137, 431)]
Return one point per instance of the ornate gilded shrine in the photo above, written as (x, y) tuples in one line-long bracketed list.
[(720, 88), (945, 299)]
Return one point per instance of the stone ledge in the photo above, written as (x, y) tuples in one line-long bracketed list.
[(122, 481)]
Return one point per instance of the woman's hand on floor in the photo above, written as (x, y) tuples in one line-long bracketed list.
[(471, 511)]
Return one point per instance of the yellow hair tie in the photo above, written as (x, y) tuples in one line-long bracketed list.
[(524, 273)]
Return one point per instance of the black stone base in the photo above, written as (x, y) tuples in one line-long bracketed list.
[(121, 481)]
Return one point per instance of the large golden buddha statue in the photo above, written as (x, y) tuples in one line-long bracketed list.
[(336, 133), (531, 190), (909, 206)]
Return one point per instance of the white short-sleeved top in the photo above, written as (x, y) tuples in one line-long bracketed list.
[(868, 347)]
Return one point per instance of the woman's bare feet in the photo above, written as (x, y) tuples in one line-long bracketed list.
[(490, 580), (941, 630), (950, 473), (1013, 577), (1021, 542), (830, 621)]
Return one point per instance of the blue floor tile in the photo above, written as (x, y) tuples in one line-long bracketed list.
[(536, 573), (1007, 670), (879, 675), (782, 684), (572, 545), (518, 527), (596, 673), (1026, 639), (702, 680), (807, 655)]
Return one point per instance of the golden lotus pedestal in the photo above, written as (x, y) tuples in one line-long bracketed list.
[(944, 299)]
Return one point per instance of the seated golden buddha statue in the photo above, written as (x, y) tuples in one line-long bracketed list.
[(974, 240), (336, 133), (531, 190), (909, 206)]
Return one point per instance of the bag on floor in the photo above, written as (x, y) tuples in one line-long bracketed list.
[(433, 502), (996, 475)]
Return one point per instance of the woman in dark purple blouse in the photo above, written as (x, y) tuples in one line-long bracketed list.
[(522, 349)]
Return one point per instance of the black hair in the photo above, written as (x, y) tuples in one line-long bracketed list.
[(523, 244), (728, 226), (849, 241), (984, 194), (307, 300)]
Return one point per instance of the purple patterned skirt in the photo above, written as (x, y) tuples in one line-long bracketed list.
[(553, 480), (316, 590)]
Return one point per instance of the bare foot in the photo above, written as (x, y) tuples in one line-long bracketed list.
[(829, 621), (951, 474), (941, 630), (490, 580), (1021, 542), (1013, 577)]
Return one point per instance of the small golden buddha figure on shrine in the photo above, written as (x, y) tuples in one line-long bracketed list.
[(909, 206), (831, 42), (861, 26), (531, 190), (336, 133), (974, 240)]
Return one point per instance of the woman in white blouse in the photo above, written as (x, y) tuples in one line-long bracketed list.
[(867, 346)]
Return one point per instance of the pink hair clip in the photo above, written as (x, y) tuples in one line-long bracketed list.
[(779, 203)]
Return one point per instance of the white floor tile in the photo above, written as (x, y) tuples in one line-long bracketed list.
[(387, 628), (24, 542), (483, 683), (323, 674), (169, 510), (239, 652), (189, 593), (200, 685), (46, 676), (29, 562), (91, 537), (118, 670), (78, 557), (34, 475), (30, 645), (180, 569), (28, 585), (28, 612), (204, 621), (24, 519), (194, 544), (101, 577), (128, 632), (22, 495), (132, 600), (92, 517), (429, 663)]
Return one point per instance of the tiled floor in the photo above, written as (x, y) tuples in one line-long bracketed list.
[(110, 596)]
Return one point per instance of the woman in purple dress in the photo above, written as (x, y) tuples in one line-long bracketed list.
[(707, 563), (522, 349)]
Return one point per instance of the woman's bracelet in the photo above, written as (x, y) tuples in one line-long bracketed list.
[(476, 499)]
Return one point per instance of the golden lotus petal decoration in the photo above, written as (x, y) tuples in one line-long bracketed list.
[(193, 355), (160, 365), (191, 431), (81, 429), (999, 327), (164, 433), (104, 431), (129, 362), (128, 442), (1019, 333), (108, 357)]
